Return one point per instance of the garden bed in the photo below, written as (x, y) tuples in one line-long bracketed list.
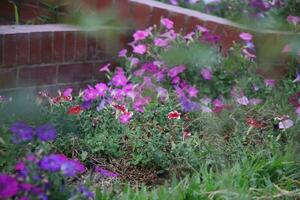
[(179, 117)]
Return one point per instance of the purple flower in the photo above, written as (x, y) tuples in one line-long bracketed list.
[(133, 61), (8, 186), (167, 23), (270, 83), (285, 124), (297, 79), (173, 2), (119, 80), (192, 91), (140, 49), (125, 118), (106, 173), (90, 94), (150, 67), (246, 36), (218, 103), (255, 101), (171, 35), (22, 132), (122, 53), (72, 167), (173, 72), (242, 101), (206, 74), (117, 94), (101, 88), (46, 132), (140, 102), (105, 68), (52, 162), (86, 105), (86, 192), (293, 19), (188, 105), (162, 93), (140, 35), (259, 4), (176, 80), (161, 42), (101, 105), (202, 29), (68, 92)]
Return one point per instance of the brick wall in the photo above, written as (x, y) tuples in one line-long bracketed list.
[(55, 56)]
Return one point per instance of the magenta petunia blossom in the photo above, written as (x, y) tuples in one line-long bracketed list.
[(140, 35), (105, 68), (101, 88), (140, 49), (246, 36), (173, 72), (192, 91), (90, 94), (46, 132), (170, 35), (125, 118), (8, 186), (133, 61), (293, 19), (161, 42), (122, 53), (270, 83), (119, 80), (176, 80), (68, 92), (167, 23), (218, 103), (206, 74)]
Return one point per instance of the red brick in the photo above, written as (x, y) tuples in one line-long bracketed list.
[(101, 46), (35, 48), (69, 46), (141, 14), (8, 77), (23, 49), (81, 46), (33, 76), (179, 21), (91, 47), (157, 14), (124, 12), (75, 73), (10, 49), (46, 47), (58, 47), (102, 4)]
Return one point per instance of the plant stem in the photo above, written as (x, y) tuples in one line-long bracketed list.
[(17, 21)]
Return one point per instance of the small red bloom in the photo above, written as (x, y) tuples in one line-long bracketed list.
[(174, 115), (186, 135), (120, 107), (75, 110), (254, 123)]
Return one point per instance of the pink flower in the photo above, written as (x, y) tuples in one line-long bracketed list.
[(133, 61), (285, 124), (101, 89), (192, 91), (160, 42), (255, 101), (202, 29), (242, 101), (125, 118), (248, 54), (140, 35), (105, 68), (176, 70), (122, 53), (293, 19), (119, 80), (140, 49), (90, 94), (162, 93), (189, 36), (246, 36), (270, 83), (218, 103), (174, 115), (167, 23), (186, 135), (206, 74), (175, 80), (171, 35), (68, 92)]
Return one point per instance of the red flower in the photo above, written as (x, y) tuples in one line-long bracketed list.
[(186, 135), (254, 123), (174, 115), (75, 110), (120, 107)]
